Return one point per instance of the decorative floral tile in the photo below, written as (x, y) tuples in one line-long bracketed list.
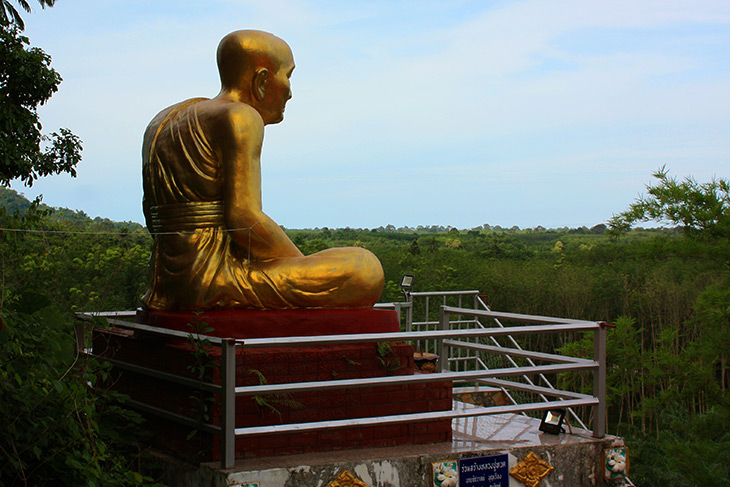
[(616, 462), (445, 474)]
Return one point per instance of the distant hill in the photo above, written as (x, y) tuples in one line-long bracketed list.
[(12, 202)]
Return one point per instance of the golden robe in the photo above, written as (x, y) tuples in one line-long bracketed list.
[(196, 264)]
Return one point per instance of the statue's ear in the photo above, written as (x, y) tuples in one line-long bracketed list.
[(259, 83)]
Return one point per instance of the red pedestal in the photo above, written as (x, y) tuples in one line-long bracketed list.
[(284, 365), (257, 323)]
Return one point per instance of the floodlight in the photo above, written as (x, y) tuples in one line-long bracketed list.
[(552, 421), (406, 284)]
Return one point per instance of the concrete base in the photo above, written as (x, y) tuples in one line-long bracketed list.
[(577, 459)]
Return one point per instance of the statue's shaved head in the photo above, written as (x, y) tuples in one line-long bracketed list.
[(241, 52)]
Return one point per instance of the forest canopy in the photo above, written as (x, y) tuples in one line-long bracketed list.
[(666, 289)]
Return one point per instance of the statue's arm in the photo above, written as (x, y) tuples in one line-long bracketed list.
[(257, 234)]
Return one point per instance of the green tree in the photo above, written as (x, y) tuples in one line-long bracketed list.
[(59, 428), (27, 81), (701, 209), (9, 15), (414, 249)]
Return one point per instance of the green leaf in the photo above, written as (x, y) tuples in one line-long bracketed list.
[(136, 477)]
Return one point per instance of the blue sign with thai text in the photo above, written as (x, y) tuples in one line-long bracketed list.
[(492, 471)]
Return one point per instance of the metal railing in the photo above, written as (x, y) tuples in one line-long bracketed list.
[(446, 340), (464, 355)]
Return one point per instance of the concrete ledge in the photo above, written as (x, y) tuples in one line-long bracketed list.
[(577, 459)]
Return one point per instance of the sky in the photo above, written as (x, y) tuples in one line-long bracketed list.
[(548, 113)]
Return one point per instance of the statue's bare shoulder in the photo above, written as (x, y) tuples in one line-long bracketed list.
[(231, 123)]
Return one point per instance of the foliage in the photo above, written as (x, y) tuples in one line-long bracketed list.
[(384, 353), (60, 427), (687, 450), (201, 368), (270, 402), (27, 81), (667, 292), (56, 429), (79, 263), (10, 15), (702, 209)]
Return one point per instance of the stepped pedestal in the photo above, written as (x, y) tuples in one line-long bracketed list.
[(280, 365)]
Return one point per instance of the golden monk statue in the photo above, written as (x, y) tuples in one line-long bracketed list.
[(214, 247)]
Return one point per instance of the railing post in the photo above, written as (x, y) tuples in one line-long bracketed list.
[(409, 315), (599, 381), (442, 349), (228, 403), (397, 307)]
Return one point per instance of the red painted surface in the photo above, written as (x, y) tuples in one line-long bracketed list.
[(256, 323), (286, 364)]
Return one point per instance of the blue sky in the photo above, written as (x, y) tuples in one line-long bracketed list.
[(536, 112)]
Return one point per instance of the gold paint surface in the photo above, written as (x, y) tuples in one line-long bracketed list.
[(214, 247), (346, 479), (531, 470)]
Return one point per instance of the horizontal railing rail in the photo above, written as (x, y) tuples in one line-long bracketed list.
[(227, 373), (477, 301), (480, 301), (599, 352), (407, 418), (406, 379), (446, 339)]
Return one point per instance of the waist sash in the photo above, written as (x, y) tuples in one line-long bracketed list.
[(186, 217)]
